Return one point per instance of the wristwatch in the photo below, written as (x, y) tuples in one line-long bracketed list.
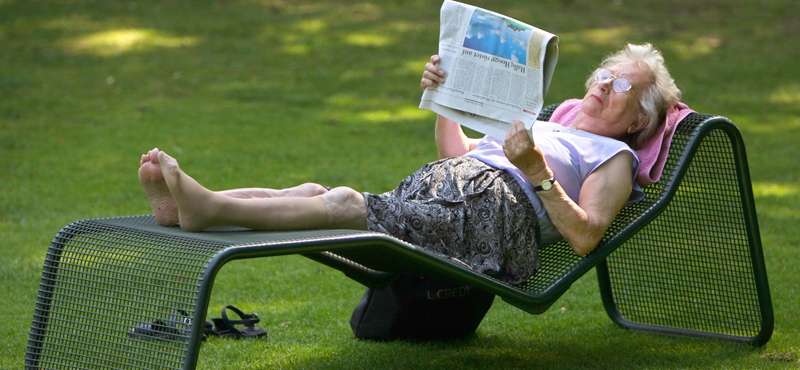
[(545, 185)]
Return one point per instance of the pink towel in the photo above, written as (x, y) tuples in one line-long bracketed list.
[(653, 154)]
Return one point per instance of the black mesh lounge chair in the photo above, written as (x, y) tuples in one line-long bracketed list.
[(685, 261)]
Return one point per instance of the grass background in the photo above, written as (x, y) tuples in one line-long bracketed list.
[(275, 93)]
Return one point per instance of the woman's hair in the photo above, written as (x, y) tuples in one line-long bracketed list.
[(658, 97)]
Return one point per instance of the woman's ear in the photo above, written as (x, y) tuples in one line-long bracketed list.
[(638, 125)]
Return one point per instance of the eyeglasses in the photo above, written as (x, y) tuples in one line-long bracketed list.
[(619, 84)]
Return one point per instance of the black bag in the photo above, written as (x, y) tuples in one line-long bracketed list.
[(417, 308)]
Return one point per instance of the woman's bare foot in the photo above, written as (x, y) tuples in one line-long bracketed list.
[(195, 203), (152, 180)]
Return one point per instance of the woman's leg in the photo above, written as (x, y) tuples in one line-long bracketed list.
[(166, 211), (304, 190), (200, 208)]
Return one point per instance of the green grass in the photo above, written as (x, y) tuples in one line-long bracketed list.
[(274, 93)]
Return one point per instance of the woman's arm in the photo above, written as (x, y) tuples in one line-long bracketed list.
[(602, 196), (450, 138)]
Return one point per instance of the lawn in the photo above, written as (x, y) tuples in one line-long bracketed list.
[(275, 93)]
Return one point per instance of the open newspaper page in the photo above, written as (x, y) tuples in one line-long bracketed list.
[(497, 69)]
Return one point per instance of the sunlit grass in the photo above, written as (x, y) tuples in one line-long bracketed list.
[(579, 41), (365, 39), (694, 49), (776, 190), (116, 42), (399, 115), (787, 94)]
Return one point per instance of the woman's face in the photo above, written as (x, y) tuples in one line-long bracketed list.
[(610, 113)]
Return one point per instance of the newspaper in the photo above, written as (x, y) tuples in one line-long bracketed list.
[(497, 69)]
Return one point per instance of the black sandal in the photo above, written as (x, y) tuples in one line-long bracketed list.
[(225, 327), (177, 329)]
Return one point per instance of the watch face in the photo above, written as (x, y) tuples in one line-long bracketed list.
[(547, 185)]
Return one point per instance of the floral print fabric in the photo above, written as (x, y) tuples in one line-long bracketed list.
[(465, 210)]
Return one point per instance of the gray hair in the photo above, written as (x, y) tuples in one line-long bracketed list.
[(658, 97)]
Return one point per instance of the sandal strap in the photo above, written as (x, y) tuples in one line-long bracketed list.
[(180, 317), (246, 320)]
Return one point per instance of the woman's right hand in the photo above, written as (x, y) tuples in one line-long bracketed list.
[(433, 75)]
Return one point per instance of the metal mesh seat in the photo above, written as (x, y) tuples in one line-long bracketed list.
[(687, 260)]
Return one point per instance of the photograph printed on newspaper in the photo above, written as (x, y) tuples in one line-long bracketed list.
[(497, 69)]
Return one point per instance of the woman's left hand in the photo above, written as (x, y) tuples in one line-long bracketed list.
[(521, 151), (433, 74)]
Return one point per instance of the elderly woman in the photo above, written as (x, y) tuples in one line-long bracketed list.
[(488, 203)]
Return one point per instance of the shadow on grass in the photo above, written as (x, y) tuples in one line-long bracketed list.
[(616, 350)]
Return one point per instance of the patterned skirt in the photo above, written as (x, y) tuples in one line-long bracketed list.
[(465, 210)]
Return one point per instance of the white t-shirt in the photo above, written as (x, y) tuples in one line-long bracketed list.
[(571, 154)]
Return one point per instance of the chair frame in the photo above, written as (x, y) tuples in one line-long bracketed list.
[(134, 261)]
